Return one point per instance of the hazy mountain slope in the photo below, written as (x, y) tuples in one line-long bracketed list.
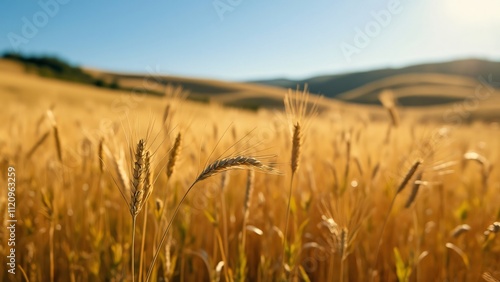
[(463, 72)]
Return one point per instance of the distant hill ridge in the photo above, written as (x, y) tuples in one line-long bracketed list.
[(439, 78), (53, 67), (419, 85)]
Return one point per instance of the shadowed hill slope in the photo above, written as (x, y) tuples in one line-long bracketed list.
[(419, 85)]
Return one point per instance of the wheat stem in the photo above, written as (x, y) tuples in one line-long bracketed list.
[(51, 246), (286, 221), (143, 240), (132, 247), (164, 235), (37, 144), (401, 186)]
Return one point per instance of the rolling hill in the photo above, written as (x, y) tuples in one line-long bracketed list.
[(429, 87), (419, 85), (18, 83), (415, 86)]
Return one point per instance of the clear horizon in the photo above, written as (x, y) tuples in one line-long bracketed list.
[(240, 40)]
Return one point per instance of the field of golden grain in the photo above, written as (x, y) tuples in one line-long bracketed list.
[(102, 181)]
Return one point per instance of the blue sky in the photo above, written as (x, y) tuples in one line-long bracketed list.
[(252, 39)]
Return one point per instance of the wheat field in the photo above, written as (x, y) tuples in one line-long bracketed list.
[(102, 181)]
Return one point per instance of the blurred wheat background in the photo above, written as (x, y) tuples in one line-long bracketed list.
[(378, 193)]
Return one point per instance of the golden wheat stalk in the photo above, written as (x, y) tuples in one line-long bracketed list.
[(409, 175), (224, 180), (348, 157), (124, 181), (492, 229), (375, 171), (296, 144), (388, 101), (485, 166), (148, 189), (299, 113), (100, 153), (460, 252), (246, 213), (480, 159), (158, 208), (137, 191), (39, 143), (414, 190), (149, 178), (401, 186), (488, 277), (357, 161), (394, 116), (166, 113), (223, 184), (238, 162), (459, 230), (55, 130), (58, 143), (343, 242), (214, 168), (249, 191), (174, 155)]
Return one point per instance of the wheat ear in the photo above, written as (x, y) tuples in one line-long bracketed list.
[(414, 190), (238, 162), (137, 191), (148, 177), (488, 277), (216, 167), (58, 143), (100, 152), (166, 113), (296, 144), (409, 175), (459, 230), (122, 175), (174, 155), (401, 186), (485, 166), (55, 130), (388, 101), (492, 229)]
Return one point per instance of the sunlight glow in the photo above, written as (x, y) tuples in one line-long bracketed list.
[(479, 12)]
